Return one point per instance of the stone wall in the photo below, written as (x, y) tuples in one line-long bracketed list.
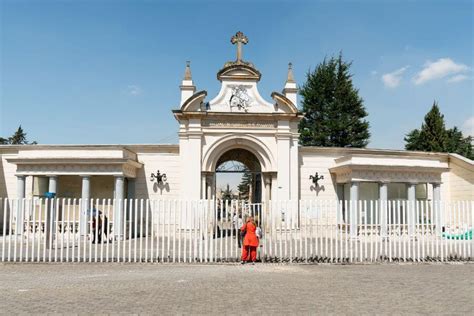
[(166, 160), (461, 179)]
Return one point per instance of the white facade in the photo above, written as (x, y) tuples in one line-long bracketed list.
[(240, 124)]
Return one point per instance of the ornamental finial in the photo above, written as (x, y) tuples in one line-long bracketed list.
[(187, 72), (290, 77), (239, 38)]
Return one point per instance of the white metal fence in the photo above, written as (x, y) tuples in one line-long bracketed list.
[(72, 230)]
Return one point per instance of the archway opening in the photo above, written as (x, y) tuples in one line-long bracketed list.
[(239, 176)]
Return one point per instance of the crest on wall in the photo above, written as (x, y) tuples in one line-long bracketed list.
[(239, 98)]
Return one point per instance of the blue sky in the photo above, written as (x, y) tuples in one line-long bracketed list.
[(109, 71)]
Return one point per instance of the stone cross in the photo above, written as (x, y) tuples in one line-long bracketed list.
[(239, 38)]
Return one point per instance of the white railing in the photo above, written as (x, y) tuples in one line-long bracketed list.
[(72, 230)]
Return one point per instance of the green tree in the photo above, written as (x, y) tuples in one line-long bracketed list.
[(457, 143), (433, 136), (18, 138), (226, 195), (334, 114), (243, 187)]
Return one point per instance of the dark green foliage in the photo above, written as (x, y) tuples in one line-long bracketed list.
[(243, 187), (333, 111), (226, 195), (18, 138), (457, 143), (433, 136)]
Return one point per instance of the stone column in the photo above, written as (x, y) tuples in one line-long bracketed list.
[(53, 184), (20, 195), (354, 209), (209, 185), (203, 186), (383, 209), (267, 179), (118, 207), (410, 211), (283, 162), (437, 208), (86, 196)]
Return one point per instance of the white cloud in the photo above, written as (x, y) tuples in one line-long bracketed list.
[(392, 79), (439, 69), (457, 78), (468, 127), (134, 90), (373, 72)]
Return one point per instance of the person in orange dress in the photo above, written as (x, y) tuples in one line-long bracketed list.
[(250, 244)]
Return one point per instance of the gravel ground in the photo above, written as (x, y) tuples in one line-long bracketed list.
[(234, 289)]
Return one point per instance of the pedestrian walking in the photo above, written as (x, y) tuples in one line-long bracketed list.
[(249, 249)]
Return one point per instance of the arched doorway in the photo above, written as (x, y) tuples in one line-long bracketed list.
[(238, 176)]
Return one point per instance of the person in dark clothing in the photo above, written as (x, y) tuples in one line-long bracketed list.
[(96, 228)]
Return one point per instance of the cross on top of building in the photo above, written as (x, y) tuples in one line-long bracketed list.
[(239, 38)]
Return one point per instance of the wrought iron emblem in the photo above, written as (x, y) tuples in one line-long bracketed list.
[(316, 178), (160, 177), (239, 98)]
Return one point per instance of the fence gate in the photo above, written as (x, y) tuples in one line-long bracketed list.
[(105, 230)]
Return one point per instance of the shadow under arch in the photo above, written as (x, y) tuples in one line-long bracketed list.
[(247, 142)]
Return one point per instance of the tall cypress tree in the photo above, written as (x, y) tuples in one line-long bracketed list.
[(433, 136), (243, 187), (334, 114)]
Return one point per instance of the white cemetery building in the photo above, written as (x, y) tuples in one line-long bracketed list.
[(238, 124)]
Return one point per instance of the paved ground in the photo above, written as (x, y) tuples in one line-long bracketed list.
[(234, 289)]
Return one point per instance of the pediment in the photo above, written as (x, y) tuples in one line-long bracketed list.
[(240, 97), (239, 71), (283, 103), (195, 102)]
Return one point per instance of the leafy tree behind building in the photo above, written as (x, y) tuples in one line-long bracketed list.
[(18, 138), (433, 136), (334, 113)]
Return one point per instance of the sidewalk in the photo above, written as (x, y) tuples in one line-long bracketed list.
[(234, 289)]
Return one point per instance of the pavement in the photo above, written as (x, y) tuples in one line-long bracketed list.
[(170, 289)]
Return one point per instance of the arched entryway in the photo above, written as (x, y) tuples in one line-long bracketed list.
[(238, 176), (243, 153)]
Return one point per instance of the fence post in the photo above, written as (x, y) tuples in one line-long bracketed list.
[(20, 195), (383, 195)]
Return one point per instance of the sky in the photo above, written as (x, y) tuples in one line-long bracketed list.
[(108, 72)]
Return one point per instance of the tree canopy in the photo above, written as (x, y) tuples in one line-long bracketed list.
[(18, 138), (433, 136), (334, 113)]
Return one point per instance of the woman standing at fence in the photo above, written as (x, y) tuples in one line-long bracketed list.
[(249, 249)]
